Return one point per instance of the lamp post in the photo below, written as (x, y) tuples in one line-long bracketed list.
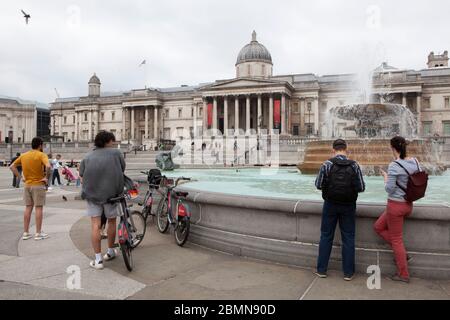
[(23, 135), (50, 128)]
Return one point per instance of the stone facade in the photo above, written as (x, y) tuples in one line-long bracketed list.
[(255, 101), (21, 120)]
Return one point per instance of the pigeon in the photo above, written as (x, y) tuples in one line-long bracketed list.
[(26, 16), (64, 198)]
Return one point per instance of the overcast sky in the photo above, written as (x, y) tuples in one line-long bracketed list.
[(191, 42)]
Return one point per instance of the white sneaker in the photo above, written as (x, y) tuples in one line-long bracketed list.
[(41, 236), (26, 236), (96, 265), (108, 257)]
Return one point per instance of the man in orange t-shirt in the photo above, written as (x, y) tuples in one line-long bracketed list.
[(36, 171)]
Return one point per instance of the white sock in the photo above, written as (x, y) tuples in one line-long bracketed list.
[(111, 252), (98, 257)]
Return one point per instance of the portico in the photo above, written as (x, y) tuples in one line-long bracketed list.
[(247, 105)]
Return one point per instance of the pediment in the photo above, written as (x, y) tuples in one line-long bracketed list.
[(236, 83)]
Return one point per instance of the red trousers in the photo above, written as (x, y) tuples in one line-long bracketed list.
[(390, 227)]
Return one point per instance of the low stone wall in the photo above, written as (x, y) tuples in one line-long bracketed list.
[(288, 231)]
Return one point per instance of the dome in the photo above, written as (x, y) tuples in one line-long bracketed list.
[(94, 79), (254, 51)]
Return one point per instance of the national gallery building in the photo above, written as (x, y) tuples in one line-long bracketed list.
[(255, 101)]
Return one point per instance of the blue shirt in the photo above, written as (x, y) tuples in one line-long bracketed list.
[(324, 172)]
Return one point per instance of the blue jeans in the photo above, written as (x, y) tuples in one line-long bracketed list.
[(331, 214)]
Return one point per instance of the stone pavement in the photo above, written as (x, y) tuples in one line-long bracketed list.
[(37, 269)]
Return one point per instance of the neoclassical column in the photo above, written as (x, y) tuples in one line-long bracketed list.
[(419, 113), (236, 114), (124, 124), (247, 114), (283, 113), (132, 123), (96, 123), (225, 115), (194, 124), (76, 126), (60, 124), (155, 123), (259, 115), (214, 113), (302, 115), (404, 101), (205, 115), (270, 113), (90, 125), (316, 115), (146, 123)]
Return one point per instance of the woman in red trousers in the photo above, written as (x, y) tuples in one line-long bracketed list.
[(390, 225)]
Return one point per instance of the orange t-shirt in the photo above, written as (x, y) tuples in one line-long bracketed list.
[(33, 163)]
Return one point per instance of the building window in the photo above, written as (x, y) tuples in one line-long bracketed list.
[(427, 103), (296, 108), (113, 116), (309, 106), (446, 127), (180, 113), (191, 132), (192, 112), (73, 119), (102, 116), (166, 133), (295, 130), (85, 116), (447, 102), (166, 113), (426, 128), (65, 120), (200, 111)]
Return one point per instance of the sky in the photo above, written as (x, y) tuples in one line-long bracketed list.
[(191, 42)]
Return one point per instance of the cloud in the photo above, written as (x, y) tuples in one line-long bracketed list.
[(189, 42)]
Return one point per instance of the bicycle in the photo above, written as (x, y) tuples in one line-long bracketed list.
[(126, 230), (165, 215), (154, 178)]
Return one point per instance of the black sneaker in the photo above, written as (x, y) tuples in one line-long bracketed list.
[(320, 275)]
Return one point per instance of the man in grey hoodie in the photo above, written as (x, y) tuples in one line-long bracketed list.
[(102, 174)]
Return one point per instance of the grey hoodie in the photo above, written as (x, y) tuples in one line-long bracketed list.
[(102, 172)]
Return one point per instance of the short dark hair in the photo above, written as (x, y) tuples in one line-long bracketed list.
[(36, 142), (340, 145), (18, 154), (102, 138)]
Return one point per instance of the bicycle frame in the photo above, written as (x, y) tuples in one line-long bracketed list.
[(180, 208)]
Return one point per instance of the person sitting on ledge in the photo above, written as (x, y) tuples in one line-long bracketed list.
[(340, 180)]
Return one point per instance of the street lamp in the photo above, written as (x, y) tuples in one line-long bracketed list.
[(23, 135), (50, 128)]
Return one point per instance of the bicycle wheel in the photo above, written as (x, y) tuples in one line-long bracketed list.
[(127, 256), (138, 226), (162, 219), (182, 231)]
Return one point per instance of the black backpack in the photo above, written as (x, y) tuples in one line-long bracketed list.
[(154, 177), (341, 182)]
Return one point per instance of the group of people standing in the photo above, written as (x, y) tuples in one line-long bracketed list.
[(341, 180)]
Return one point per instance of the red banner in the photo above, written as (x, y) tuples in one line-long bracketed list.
[(277, 114), (210, 115)]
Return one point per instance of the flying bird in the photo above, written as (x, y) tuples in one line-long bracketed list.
[(142, 63), (26, 16)]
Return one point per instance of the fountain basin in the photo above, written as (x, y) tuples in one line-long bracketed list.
[(288, 231), (371, 154)]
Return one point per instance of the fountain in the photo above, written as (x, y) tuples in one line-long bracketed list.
[(368, 127), (368, 137)]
